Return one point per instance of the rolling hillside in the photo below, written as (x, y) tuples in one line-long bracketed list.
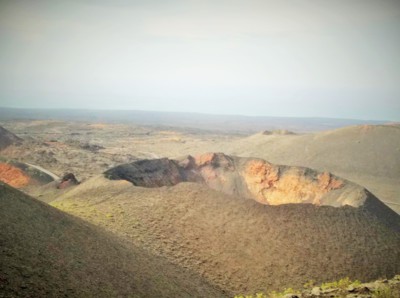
[(47, 253)]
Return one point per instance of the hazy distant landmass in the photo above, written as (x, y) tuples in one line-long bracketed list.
[(227, 123)]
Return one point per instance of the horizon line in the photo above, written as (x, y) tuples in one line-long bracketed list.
[(195, 113)]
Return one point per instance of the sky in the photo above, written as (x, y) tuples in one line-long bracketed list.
[(299, 58)]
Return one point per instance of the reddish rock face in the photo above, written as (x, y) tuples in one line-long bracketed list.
[(274, 185), (215, 160), (260, 176), (249, 178), (13, 176)]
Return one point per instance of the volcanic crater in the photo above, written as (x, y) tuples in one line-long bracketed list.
[(250, 178), (243, 223)]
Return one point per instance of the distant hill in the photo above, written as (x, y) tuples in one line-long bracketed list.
[(366, 154), (239, 244), (47, 253), (7, 138), (368, 149), (226, 123)]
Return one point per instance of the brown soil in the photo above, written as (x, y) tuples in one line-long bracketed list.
[(13, 176)]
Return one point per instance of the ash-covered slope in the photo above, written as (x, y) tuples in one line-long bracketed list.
[(7, 138), (296, 225), (241, 245), (47, 253)]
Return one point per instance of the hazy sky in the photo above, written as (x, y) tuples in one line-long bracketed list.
[(279, 58)]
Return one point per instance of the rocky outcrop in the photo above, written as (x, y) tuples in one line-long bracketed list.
[(148, 173), (246, 177), (67, 180), (7, 138), (276, 185)]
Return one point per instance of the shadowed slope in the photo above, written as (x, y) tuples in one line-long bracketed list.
[(47, 253), (7, 138)]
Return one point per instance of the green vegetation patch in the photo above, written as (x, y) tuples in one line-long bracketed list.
[(340, 288)]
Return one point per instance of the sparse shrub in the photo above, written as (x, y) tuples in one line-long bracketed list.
[(341, 284), (383, 292), (290, 291), (257, 295), (275, 294), (310, 284)]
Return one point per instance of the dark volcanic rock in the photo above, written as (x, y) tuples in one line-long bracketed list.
[(69, 179), (148, 173), (91, 147)]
